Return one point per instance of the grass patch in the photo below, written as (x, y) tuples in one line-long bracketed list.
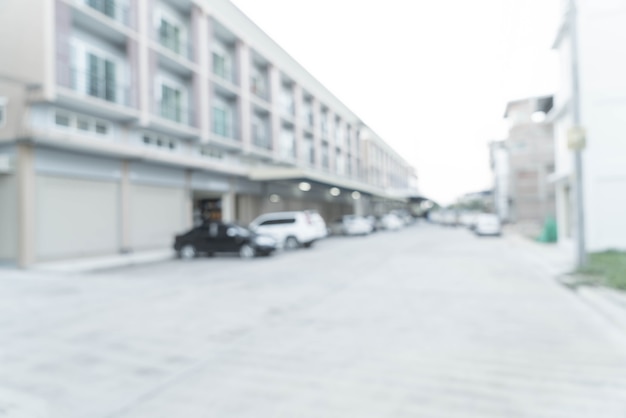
[(609, 267)]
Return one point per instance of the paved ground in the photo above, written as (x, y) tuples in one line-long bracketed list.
[(426, 322)]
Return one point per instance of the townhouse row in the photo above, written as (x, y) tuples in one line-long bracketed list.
[(124, 121)]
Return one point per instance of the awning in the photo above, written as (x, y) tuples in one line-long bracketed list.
[(301, 174)]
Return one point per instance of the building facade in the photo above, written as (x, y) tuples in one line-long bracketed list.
[(529, 150), (124, 121), (602, 107), (499, 161)]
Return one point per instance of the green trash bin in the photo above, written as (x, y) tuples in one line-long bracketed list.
[(549, 232)]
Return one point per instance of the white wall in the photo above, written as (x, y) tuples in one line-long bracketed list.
[(8, 217)]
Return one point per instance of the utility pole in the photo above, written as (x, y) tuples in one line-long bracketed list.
[(577, 137)]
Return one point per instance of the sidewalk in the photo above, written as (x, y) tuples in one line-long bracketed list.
[(559, 262), (83, 265)]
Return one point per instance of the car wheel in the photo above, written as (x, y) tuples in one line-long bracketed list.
[(246, 251), (291, 243), (187, 252)]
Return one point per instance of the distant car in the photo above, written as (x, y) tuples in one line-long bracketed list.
[(351, 225), (291, 229), (218, 237), (392, 222), (487, 224)]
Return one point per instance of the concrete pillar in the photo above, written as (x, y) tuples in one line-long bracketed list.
[(317, 132), (298, 123), (275, 85), (229, 208), (243, 61), (358, 206), (145, 64), (189, 220), (26, 204), (125, 240), (202, 34)]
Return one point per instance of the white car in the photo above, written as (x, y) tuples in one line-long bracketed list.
[(391, 222), (351, 225), (291, 229), (488, 224)]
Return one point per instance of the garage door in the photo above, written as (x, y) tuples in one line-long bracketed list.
[(76, 217), (157, 214)]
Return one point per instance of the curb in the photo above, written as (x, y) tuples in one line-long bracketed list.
[(104, 263), (608, 302)]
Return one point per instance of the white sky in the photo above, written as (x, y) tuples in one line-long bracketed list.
[(431, 77)]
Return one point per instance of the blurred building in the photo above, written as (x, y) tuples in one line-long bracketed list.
[(523, 163), (123, 121), (499, 159), (600, 29)]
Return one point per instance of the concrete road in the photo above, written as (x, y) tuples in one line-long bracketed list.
[(427, 322)]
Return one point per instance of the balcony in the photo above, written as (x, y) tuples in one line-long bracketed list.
[(175, 113), (103, 96), (112, 9), (172, 43)]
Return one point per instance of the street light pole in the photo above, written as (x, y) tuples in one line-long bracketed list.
[(581, 247)]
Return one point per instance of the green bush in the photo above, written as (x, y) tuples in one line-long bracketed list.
[(610, 266)]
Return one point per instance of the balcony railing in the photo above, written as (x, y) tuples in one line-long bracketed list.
[(113, 9), (176, 45), (175, 113), (261, 140), (95, 85)]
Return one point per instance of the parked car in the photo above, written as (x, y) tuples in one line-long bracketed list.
[(351, 225), (487, 224), (218, 237), (291, 229), (392, 222)]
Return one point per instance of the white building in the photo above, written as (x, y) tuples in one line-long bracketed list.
[(601, 31), (120, 119), (499, 158)]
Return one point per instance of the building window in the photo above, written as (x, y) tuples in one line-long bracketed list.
[(3, 111), (309, 150), (171, 103), (101, 128), (287, 143), (260, 132), (211, 153), (159, 142), (222, 61), (223, 117), (83, 123), (170, 36), (258, 82), (324, 123), (307, 114), (106, 7), (286, 100), (325, 156), (101, 77), (62, 119)]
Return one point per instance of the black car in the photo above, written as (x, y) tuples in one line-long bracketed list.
[(219, 237)]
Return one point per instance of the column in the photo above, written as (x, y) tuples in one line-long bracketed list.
[(298, 125), (317, 133), (275, 85), (202, 34), (228, 203), (243, 71), (146, 64), (125, 240), (26, 204)]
